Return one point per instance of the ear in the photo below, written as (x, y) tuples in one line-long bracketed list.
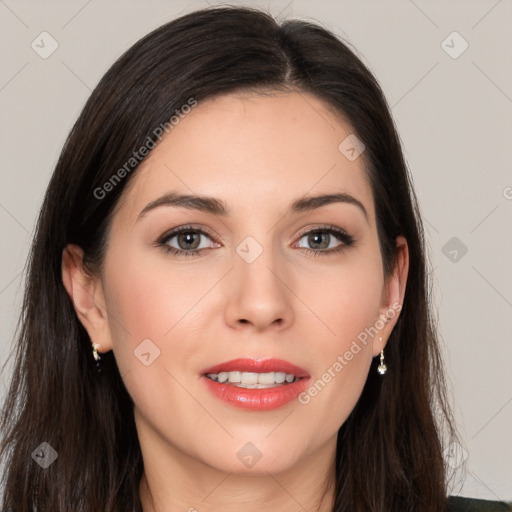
[(86, 293), (393, 295)]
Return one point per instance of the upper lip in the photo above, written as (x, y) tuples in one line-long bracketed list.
[(258, 366)]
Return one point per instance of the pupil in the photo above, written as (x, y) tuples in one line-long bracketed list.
[(319, 235), (185, 236)]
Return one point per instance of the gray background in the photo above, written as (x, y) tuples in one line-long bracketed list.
[(454, 116)]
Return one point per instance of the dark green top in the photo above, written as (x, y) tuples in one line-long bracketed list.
[(461, 504)]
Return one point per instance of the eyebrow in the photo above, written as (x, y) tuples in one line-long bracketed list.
[(218, 207)]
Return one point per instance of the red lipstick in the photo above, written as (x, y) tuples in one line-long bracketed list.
[(258, 366), (257, 399)]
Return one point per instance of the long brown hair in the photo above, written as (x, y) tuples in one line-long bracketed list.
[(390, 449)]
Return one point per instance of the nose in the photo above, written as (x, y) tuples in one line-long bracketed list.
[(259, 294)]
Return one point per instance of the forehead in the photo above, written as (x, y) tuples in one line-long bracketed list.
[(249, 148)]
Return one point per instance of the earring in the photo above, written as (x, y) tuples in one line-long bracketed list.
[(382, 368), (96, 356)]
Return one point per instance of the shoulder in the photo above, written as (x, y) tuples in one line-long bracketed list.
[(462, 504)]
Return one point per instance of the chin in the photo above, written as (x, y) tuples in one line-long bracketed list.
[(258, 458)]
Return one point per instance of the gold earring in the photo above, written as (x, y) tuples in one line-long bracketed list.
[(382, 368)]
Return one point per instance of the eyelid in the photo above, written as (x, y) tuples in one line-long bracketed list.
[(346, 240), (207, 231), (187, 227), (322, 227)]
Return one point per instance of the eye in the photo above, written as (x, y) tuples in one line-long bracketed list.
[(322, 240), (187, 239)]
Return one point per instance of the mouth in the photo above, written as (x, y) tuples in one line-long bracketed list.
[(253, 380), (256, 384)]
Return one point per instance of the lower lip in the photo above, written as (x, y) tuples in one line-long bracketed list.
[(256, 399)]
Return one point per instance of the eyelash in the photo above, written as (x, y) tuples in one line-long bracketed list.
[(341, 234)]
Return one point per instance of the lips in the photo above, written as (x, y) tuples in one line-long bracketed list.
[(258, 366), (256, 399)]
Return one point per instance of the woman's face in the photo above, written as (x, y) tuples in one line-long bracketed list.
[(256, 289)]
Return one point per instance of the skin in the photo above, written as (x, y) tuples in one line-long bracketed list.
[(248, 150)]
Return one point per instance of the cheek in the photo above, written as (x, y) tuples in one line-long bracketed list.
[(348, 304), (147, 302), (149, 309), (148, 294)]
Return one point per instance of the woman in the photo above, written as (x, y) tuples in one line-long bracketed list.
[(253, 367)]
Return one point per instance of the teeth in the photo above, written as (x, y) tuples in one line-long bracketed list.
[(267, 378), (253, 379), (249, 378), (235, 376), (280, 377)]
